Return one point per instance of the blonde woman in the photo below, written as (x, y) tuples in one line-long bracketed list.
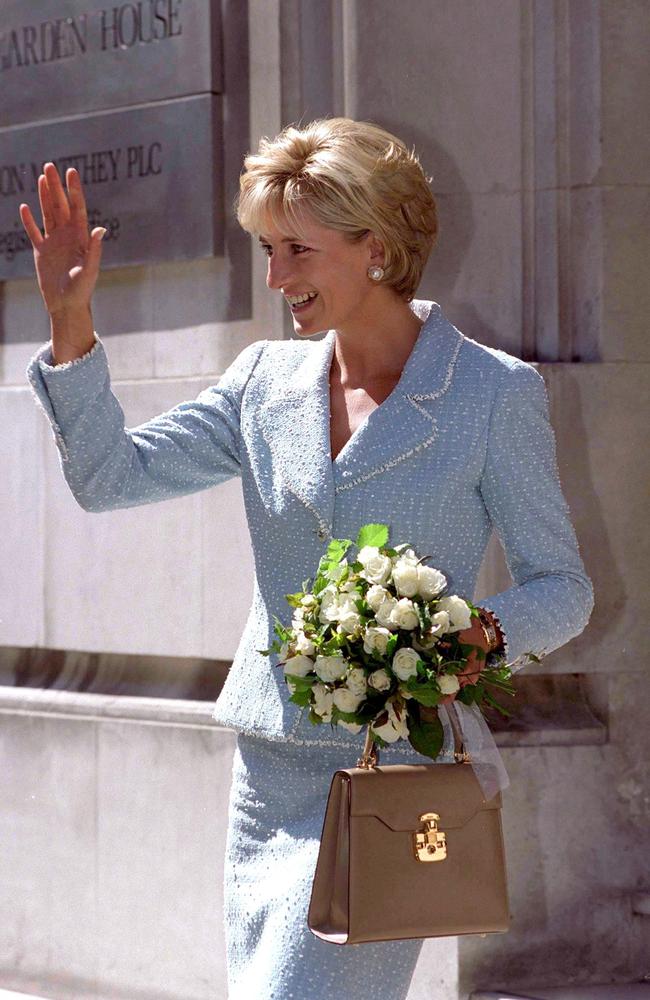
[(393, 417)]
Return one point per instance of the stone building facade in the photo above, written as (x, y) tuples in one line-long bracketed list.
[(531, 117)]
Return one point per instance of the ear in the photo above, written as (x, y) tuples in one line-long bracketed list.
[(376, 250)]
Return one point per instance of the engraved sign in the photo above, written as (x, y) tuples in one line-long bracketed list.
[(64, 57), (153, 177)]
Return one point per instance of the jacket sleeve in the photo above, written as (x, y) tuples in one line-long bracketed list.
[(191, 447), (552, 598)]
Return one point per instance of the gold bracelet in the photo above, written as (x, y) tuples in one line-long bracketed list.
[(488, 625)]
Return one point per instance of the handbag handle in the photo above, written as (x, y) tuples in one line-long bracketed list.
[(370, 755)]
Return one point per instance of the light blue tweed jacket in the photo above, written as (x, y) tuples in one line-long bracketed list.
[(463, 443)]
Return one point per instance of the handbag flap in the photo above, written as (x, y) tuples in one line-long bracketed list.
[(398, 794)]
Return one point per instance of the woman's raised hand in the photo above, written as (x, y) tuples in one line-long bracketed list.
[(66, 255)]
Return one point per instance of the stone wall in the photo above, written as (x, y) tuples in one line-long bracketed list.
[(531, 118)]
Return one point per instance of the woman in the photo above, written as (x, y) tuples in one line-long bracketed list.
[(393, 417)]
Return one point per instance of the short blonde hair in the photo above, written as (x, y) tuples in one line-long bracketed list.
[(352, 176)]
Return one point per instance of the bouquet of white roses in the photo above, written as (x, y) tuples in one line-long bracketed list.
[(374, 642)]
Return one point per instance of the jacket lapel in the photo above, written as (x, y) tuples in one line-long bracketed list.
[(405, 423), (297, 424)]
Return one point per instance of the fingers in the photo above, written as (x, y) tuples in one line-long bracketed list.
[(46, 205), (31, 228), (77, 201), (58, 202), (57, 209)]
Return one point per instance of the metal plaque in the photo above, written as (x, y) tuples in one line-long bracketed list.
[(153, 176), (64, 57)]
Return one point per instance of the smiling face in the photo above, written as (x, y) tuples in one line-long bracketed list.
[(323, 261)]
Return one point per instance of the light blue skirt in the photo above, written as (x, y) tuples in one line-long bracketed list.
[(277, 805)]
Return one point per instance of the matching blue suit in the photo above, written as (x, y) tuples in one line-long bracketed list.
[(463, 444)]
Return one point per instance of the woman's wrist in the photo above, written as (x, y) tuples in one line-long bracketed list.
[(492, 630)]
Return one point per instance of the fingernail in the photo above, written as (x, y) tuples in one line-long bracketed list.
[(102, 232)]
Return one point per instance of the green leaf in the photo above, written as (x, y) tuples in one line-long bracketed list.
[(314, 718), (495, 704), (423, 618), (281, 630), (337, 549), (390, 645), (301, 683), (379, 741), (426, 737), (466, 694), (471, 693), (425, 694), (301, 698), (375, 535), (345, 716), (294, 599)]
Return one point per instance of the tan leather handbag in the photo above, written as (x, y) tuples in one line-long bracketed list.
[(409, 851)]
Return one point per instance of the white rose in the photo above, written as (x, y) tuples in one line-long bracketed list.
[(386, 730), (405, 663), (346, 700), (430, 582), (330, 668), (298, 666), (404, 614), (298, 618), (349, 617), (405, 577), (395, 727), (304, 645), (448, 683), (459, 613), (397, 715), (350, 623), (349, 586), (439, 623), (375, 595), (384, 612), (329, 607), (353, 727), (356, 681), (376, 639), (323, 701), (376, 567), (309, 601), (380, 680)]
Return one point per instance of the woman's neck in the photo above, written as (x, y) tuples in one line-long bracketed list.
[(377, 348)]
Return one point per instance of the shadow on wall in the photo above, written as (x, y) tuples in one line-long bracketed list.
[(112, 673)]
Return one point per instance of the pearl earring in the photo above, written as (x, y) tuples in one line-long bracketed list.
[(376, 273)]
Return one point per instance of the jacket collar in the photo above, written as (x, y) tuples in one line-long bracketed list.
[(296, 425)]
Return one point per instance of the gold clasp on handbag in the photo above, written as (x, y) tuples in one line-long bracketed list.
[(430, 844)]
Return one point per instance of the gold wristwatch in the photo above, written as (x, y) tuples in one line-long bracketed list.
[(491, 629)]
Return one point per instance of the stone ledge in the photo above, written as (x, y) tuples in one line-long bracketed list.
[(102, 707), (547, 711)]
